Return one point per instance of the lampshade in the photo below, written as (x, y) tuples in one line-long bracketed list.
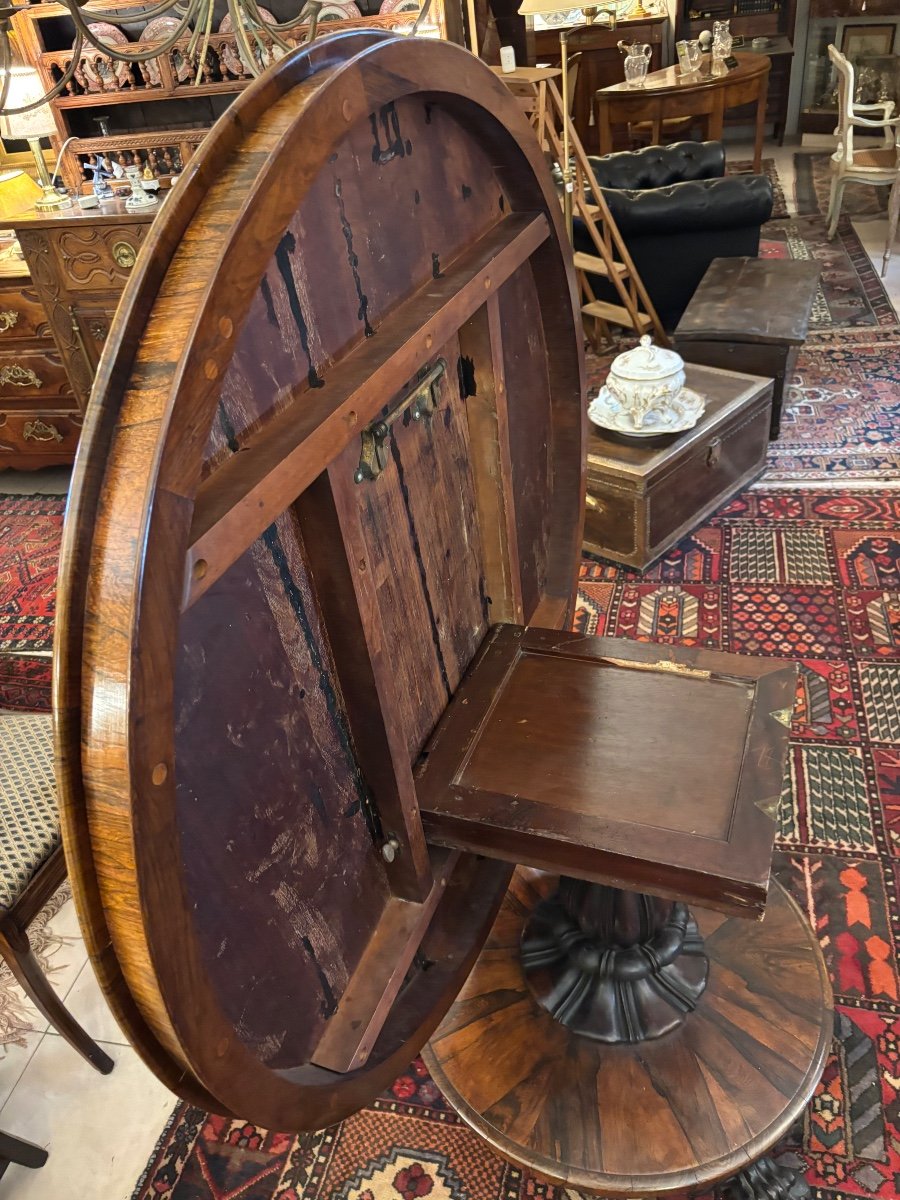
[(18, 192), (530, 8), (24, 88)]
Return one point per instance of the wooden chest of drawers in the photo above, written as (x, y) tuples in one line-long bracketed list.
[(39, 417), (80, 262), (645, 494)]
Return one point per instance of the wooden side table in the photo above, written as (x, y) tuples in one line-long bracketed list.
[(645, 494)]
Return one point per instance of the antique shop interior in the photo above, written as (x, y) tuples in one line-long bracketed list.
[(449, 600)]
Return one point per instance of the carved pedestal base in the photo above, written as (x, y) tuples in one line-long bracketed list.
[(665, 1117), (765, 1180), (612, 965)]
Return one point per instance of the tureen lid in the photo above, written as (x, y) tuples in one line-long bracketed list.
[(646, 361)]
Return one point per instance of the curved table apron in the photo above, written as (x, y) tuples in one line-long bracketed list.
[(668, 94), (676, 1113)]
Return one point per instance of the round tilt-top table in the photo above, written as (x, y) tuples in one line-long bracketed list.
[(315, 692)]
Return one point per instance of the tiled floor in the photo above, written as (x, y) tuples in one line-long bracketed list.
[(101, 1130)]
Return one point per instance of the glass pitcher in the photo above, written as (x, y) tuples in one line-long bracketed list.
[(637, 62), (690, 56)]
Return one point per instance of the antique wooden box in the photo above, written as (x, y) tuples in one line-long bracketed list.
[(751, 314), (644, 494)]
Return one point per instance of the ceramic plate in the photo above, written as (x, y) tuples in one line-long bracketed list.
[(399, 6), (225, 25), (108, 33), (159, 29), (338, 12), (606, 412)]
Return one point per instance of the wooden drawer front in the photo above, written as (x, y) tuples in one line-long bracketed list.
[(21, 316), (712, 471), (93, 325), (99, 259), (44, 435), (26, 374)]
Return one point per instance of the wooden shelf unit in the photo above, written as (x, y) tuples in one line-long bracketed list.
[(154, 110), (776, 24)]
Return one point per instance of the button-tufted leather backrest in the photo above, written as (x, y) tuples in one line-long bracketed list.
[(658, 166)]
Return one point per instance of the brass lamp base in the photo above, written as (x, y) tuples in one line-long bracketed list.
[(51, 200)]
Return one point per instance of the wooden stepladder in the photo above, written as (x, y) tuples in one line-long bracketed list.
[(611, 258)]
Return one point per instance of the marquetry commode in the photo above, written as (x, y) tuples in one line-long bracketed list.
[(334, 778), (79, 262), (39, 419)]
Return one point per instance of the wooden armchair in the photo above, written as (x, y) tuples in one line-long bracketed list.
[(32, 865), (877, 166)]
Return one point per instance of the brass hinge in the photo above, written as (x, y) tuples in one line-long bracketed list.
[(421, 400)]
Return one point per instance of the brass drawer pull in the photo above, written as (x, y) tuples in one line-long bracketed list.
[(8, 318), (714, 453), (37, 431), (124, 254), (594, 504), (19, 376)]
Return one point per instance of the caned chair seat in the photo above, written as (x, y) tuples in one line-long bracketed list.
[(29, 819), (880, 159)]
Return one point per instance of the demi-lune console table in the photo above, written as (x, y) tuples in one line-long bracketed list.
[(668, 93)]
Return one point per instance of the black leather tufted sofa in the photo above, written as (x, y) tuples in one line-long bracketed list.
[(677, 211)]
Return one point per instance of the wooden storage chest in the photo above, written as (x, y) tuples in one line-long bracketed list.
[(643, 495)]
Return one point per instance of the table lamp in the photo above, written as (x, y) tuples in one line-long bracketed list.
[(532, 8), (25, 87)]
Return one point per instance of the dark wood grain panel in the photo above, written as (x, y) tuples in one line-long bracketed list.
[(263, 742), (554, 750), (530, 436)]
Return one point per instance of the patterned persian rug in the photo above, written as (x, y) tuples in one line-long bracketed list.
[(812, 189), (851, 294), (17, 1014), (30, 532), (813, 577)]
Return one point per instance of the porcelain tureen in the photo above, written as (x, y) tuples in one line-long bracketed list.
[(645, 393)]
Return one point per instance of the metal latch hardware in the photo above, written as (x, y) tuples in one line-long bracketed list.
[(421, 401)]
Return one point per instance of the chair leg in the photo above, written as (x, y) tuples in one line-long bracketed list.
[(16, 950), (834, 205), (893, 217), (17, 1150)]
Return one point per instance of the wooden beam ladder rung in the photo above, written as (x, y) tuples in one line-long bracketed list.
[(598, 266), (617, 314)]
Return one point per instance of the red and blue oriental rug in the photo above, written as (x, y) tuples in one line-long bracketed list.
[(30, 533), (810, 576)]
